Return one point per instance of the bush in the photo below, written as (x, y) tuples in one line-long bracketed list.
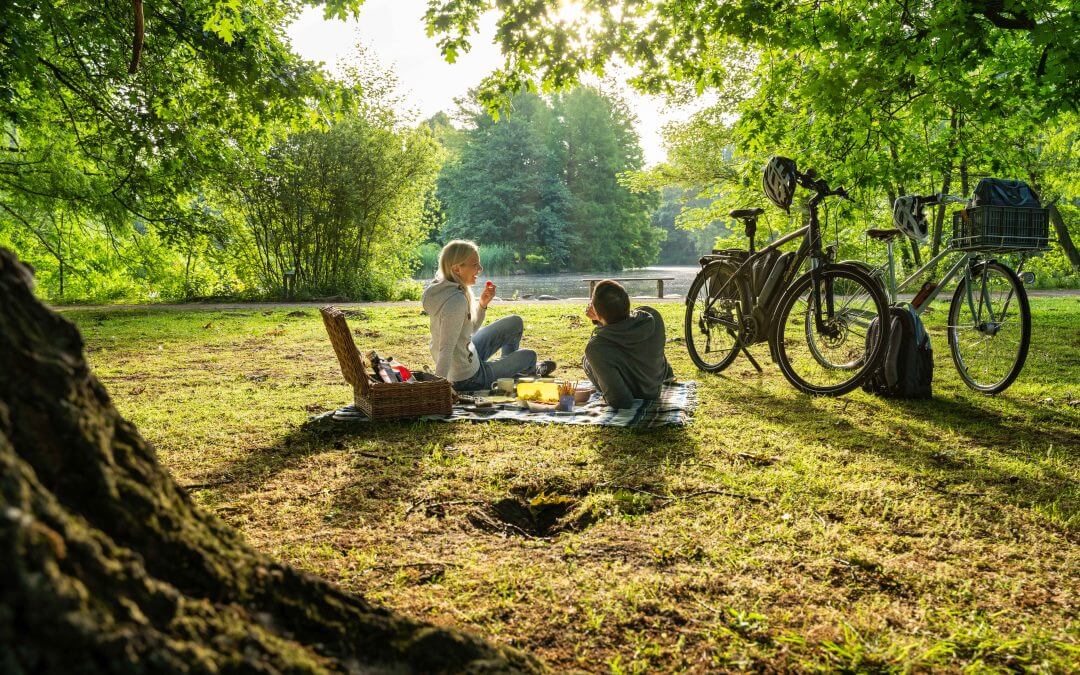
[(428, 255), (497, 259)]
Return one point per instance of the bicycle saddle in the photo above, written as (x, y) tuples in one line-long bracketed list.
[(883, 235), (746, 213)]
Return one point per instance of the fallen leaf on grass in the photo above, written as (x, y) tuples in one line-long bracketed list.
[(208, 326)]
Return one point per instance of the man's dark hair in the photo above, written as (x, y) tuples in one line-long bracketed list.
[(610, 301)]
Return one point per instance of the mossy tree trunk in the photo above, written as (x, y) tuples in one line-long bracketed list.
[(108, 566)]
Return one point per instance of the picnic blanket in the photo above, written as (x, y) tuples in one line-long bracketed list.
[(675, 407)]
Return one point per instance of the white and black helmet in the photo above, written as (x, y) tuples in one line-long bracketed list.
[(909, 218), (778, 180)]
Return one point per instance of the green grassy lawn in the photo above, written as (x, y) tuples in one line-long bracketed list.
[(855, 533)]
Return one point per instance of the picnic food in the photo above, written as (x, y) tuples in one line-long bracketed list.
[(538, 391), (533, 396)]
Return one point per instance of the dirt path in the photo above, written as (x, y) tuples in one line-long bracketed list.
[(217, 306)]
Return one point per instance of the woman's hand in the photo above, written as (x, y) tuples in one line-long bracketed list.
[(487, 295)]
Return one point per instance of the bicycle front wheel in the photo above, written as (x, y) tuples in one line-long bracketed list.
[(828, 353), (989, 327), (714, 315)]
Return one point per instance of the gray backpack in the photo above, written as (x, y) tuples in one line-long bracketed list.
[(907, 371)]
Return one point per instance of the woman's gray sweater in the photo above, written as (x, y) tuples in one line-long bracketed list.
[(452, 327)]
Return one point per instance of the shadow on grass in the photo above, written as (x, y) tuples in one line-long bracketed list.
[(386, 463), (991, 478)]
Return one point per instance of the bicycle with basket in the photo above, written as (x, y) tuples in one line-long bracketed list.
[(744, 297), (989, 321)]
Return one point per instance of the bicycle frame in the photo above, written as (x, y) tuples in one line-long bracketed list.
[(962, 264), (809, 248)]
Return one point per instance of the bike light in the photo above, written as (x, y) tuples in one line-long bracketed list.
[(1028, 278)]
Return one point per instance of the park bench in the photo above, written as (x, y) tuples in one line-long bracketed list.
[(659, 282)]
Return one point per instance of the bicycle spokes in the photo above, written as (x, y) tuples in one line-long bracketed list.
[(988, 333), (824, 334)]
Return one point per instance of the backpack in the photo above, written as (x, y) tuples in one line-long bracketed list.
[(907, 370), (1003, 192)]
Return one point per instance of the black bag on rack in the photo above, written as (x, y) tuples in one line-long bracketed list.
[(1003, 192)]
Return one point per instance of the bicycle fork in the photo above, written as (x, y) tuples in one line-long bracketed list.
[(825, 328)]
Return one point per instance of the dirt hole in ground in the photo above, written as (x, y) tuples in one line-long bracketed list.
[(532, 513)]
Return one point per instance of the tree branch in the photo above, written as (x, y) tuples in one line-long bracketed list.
[(137, 45)]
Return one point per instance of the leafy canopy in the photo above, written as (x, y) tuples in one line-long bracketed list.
[(993, 49), (105, 120)]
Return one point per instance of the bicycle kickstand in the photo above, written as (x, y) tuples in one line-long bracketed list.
[(753, 361)]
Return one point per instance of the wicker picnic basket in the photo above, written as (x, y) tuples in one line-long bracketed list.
[(429, 395)]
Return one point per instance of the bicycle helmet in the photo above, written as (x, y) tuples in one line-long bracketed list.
[(778, 181), (909, 218)]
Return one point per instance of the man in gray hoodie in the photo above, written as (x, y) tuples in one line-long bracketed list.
[(625, 358)]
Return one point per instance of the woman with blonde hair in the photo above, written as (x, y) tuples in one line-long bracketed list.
[(460, 343)]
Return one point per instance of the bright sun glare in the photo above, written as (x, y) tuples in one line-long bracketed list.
[(572, 12)]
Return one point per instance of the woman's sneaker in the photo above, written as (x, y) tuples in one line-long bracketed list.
[(545, 368)]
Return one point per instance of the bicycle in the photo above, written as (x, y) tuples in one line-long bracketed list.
[(743, 297), (989, 322)]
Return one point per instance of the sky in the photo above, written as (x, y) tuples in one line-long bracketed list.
[(393, 30)]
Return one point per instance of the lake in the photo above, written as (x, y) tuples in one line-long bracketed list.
[(570, 285)]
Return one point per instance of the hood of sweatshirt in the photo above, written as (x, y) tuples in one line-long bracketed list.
[(436, 295), (639, 327)]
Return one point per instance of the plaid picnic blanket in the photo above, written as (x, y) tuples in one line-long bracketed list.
[(674, 408)]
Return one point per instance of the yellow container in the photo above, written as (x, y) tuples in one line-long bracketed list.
[(549, 391)]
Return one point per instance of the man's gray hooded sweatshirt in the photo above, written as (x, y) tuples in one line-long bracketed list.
[(626, 360), (453, 323)]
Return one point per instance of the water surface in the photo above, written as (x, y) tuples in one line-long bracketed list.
[(570, 285)]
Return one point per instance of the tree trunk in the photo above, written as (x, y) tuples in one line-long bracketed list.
[(946, 185), (108, 566), (939, 216), (1063, 237)]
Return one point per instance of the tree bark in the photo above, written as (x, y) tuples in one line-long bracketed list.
[(1063, 237), (939, 216), (109, 567), (946, 185)]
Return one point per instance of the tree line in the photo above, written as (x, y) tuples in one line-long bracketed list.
[(191, 153), (887, 98), (541, 178)]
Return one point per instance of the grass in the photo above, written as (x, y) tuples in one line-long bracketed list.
[(882, 535)]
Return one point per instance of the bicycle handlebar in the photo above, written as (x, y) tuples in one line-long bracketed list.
[(809, 180), (938, 198)]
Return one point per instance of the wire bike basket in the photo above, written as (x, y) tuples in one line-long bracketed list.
[(1001, 228)]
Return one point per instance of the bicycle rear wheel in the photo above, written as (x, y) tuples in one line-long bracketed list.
[(835, 358), (989, 327), (714, 311)]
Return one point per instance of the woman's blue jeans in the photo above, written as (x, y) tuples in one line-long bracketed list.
[(504, 334)]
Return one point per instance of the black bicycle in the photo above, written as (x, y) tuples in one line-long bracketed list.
[(812, 322)]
